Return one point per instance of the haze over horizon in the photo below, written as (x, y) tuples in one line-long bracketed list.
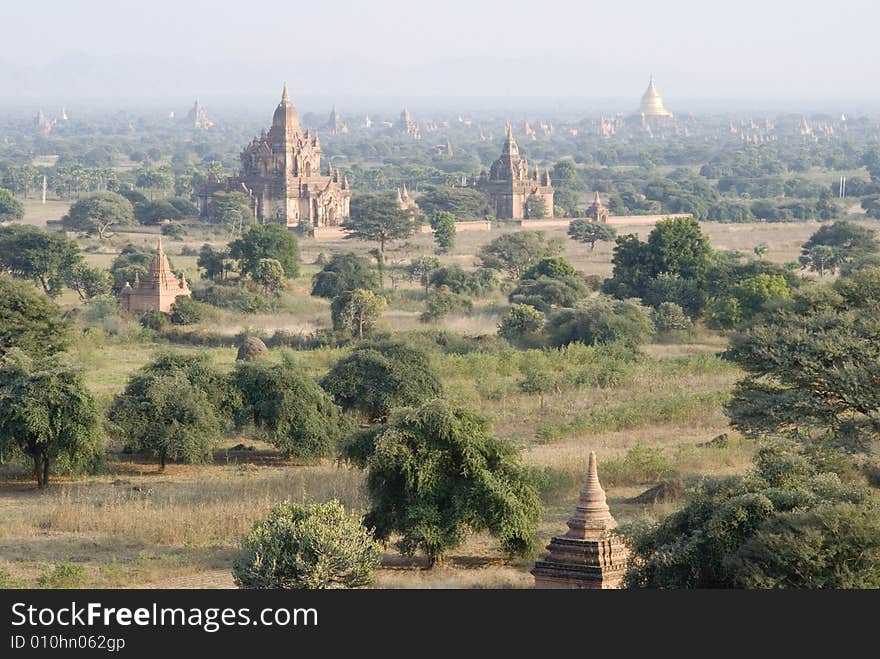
[(786, 56)]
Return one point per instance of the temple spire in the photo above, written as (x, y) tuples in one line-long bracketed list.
[(589, 555), (285, 95), (591, 514)]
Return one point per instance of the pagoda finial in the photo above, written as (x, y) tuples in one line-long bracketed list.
[(591, 514), (285, 95)]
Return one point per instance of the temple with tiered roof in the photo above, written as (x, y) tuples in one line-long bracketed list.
[(157, 291), (281, 173), (509, 186)]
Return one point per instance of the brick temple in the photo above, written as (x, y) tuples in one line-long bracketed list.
[(281, 173), (510, 187), (157, 291)]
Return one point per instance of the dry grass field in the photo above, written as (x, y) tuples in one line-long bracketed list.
[(133, 526)]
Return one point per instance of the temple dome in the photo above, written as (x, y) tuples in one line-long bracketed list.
[(652, 102), (286, 115)]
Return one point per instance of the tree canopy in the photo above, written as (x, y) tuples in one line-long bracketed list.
[(174, 408), (31, 253), (791, 522), (514, 253), (379, 376), (288, 408), (97, 213), (11, 209), (589, 232), (31, 321), (378, 218), (344, 272), (47, 412), (435, 474), (813, 366), (266, 241)]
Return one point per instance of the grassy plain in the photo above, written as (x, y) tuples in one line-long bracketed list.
[(648, 420)]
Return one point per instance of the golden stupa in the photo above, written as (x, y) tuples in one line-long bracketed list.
[(652, 102)]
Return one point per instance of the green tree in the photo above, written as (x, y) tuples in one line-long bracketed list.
[(550, 283), (833, 245), (670, 317), (270, 275), (46, 410), (791, 522), (344, 272), (215, 263), (154, 179), (813, 366), (380, 376), (31, 321), (536, 208), (153, 212), (186, 311), (89, 282), (746, 299), (357, 311), (378, 218), (514, 253), (463, 203), (523, 325), (31, 253), (289, 409), (307, 547), (133, 261), (435, 473), (589, 232), (231, 209), (174, 408), (266, 241), (676, 249), (11, 209), (443, 224), (458, 280), (565, 173), (421, 268)]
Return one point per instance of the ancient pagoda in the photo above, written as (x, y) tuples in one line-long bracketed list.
[(158, 290), (597, 212), (281, 173), (652, 102), (589, 555), (509, 186)]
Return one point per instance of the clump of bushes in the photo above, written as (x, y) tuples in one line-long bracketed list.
[(307, 547)]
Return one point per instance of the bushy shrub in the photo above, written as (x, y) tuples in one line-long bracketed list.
[(442, 302), (307, 547), (523, 324), (670, 317), (601, 321), (186, 311), (235, 297)]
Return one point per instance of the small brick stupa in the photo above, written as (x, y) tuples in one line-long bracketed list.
[(597, 211), (158, 290), (589, 555)]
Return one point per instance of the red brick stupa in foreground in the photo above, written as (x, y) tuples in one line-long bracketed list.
[(589, 555)]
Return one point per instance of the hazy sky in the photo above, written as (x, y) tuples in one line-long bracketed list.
[(809, 50)]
